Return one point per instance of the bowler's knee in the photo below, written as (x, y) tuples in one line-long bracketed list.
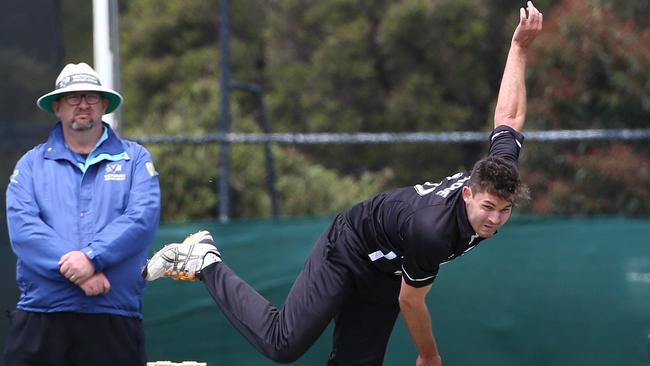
[(286, 355)]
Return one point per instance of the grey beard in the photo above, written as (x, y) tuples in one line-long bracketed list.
[(81, 127)]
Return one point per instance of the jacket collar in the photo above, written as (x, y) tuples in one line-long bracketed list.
[(56, 148)]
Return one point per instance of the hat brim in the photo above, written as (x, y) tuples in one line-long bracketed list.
[(114, 98)]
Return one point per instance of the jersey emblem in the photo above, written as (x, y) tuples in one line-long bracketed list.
[(379, 254), (445, 192), (13, 177), (150, 168), (113, 172), (426, 188)]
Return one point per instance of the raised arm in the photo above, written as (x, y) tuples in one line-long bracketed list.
[(511, 103)]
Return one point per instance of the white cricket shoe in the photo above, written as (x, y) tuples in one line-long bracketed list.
[(183, 261)]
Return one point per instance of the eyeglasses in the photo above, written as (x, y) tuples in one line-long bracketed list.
[(75, 99)]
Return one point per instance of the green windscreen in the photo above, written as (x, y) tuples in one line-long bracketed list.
[(542, 292)]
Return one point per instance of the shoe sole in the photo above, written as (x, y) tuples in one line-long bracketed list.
[(183, 275), (174, 275)]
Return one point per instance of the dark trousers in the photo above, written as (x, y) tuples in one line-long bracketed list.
[(337, 282), (74, 339)]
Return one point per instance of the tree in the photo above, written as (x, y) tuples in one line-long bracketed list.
[(591, 71), (379, 66), (170, 60), (383, 66)]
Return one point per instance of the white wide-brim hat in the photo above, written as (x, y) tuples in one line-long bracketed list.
[(79, 77)]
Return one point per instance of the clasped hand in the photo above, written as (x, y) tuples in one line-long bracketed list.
[(77, 268)]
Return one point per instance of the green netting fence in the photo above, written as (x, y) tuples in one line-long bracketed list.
[(549, 291)]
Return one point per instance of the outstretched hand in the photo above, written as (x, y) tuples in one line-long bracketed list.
[(529, 26)]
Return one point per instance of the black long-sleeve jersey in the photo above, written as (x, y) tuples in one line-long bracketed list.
[(411, 231)]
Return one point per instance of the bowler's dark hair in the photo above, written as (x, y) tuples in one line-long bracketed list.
[(499, 177)]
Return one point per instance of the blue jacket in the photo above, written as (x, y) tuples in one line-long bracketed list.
[(107, 206)]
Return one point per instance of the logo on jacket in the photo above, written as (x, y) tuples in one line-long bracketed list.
[(13, 177), (113, 172), (150, 168)]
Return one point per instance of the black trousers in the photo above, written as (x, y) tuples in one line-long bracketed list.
[(74, 339), (337, 282)]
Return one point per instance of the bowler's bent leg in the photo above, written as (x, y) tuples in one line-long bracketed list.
[(284, 335), (365, 322)]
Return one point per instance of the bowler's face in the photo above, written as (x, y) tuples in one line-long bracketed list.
[(486, 212), (83, 116)]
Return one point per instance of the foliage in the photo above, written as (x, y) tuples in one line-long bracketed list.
[(361, 66), (604, 179), (378, 66), (171, 89), (590, 72), (26, 79)]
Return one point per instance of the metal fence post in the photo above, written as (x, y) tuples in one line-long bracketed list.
[(224, 120), (263, 121)]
